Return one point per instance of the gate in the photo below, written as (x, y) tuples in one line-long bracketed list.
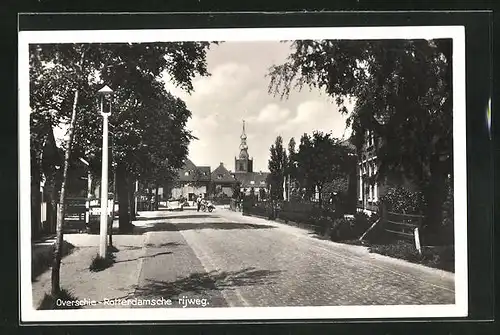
[(404, 226)]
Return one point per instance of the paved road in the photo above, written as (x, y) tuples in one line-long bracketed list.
[(236, 261)]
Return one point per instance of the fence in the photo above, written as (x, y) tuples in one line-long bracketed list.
[(235, 205), (405, 226), (75, 214), (220, 200), (258, 208)]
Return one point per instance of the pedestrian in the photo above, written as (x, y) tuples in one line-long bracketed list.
[(198, 201)]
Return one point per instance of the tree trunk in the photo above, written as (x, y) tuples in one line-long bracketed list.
[(36, 202), (156, 197), (122, 192), (320, 198), (131, 199), (110, 229), (52, 218), (435, 196), (56, 265)]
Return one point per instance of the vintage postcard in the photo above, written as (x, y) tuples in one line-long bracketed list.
[(243, 174)]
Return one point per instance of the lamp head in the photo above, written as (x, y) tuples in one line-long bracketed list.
[(105, 91)]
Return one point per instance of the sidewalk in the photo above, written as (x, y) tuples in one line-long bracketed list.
[(84, 284)]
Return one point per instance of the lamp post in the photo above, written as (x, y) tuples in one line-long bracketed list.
[(89, 193), (103, 93)]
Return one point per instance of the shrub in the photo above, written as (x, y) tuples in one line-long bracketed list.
[(437, 257), (50, 302), (44, 261), (447, 227), (401, 200), (343, 229), (101, 263), (400, 249)]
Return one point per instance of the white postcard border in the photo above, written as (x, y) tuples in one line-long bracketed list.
[(459, 309)]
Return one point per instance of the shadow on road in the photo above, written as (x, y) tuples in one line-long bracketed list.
[(167, 216), (167, 226), (163, 245), (202, 282), (203, 225), (148, 256), (191, 216)]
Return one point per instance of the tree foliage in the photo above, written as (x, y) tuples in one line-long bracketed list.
[(147, 123), (402, 91), (237, 191), (322, 160), (278, 162)]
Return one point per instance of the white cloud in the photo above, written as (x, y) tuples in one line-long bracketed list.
[(238, 90), (309, 111), (203, 126), (225, 79), (271, 113), (311, 115)]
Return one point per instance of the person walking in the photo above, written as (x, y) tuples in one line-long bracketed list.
[(198, 201)]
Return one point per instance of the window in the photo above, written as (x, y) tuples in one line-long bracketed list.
[(262, 182), (186, 173), (370, 138), (219, 176), (252, 182)]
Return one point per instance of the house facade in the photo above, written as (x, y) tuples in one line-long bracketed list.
[(191, 181), (223, 181), (368, 190)]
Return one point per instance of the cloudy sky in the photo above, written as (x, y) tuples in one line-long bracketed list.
[(237, 91)]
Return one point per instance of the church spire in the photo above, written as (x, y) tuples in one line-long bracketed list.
[(243, 144)]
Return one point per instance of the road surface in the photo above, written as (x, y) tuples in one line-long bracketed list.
[(225, 259)]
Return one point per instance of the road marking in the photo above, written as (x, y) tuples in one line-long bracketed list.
[(141, 259), (205, 259)]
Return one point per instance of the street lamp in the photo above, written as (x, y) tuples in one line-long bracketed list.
[(89, 193), (104, 93)]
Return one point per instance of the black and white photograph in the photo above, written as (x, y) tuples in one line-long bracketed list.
[(240, 174)]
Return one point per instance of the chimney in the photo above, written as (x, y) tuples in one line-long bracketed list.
[(221, 164)]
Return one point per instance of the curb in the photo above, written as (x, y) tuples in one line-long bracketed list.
[(363, 249)]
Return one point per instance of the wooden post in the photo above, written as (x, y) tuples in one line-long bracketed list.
[(417, 240), (369, 229)]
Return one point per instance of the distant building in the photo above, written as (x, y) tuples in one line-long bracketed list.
[(369, 189), (222, 181), (191, 181), (243, 170), (368, 192)]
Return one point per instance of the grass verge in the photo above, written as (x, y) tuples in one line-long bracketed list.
[(64, 300), (43, 261), (99, 263), (439, 257)]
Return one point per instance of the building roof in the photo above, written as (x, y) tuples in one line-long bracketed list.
[(190, 172), (348, 143), (222, 175), (246, 179)]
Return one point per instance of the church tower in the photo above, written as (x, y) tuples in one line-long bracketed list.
[(243, 163)]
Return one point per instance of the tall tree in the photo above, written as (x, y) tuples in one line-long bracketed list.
[(63, 82), (322, 160), (291, 169), (403, 93), (304, 165), (277, 165), (237, 191)]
